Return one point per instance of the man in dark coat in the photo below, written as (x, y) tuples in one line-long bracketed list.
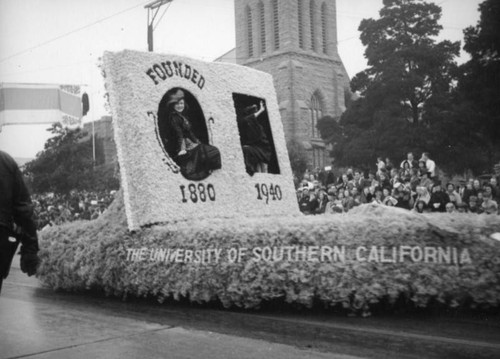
[(16, 210)]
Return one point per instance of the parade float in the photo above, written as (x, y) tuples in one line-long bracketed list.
[(234, 234)]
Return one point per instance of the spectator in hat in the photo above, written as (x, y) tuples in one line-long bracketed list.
[(438, 198)]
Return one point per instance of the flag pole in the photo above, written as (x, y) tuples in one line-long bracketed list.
[(93, 143)]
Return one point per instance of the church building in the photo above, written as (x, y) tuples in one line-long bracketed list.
[(296, 42)]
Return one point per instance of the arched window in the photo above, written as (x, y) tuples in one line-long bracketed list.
[(276, 25), (249, 31), (312, 18), (316, 114), (262, 26), (323, 27), (301, 24)]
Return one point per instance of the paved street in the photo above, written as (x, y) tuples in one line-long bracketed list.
[(39, 323)]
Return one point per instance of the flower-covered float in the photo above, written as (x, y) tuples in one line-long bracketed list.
[(231, 231)]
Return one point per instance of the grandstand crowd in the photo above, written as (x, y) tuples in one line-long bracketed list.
[(55, 209), (412, 185)]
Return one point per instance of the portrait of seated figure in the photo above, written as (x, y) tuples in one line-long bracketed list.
[(182, 130)]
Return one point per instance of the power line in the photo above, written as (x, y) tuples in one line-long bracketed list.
[(69, 33)]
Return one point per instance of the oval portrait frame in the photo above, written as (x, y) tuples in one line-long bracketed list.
[(167, 138)]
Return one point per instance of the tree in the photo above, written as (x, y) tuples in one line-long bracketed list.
[(66, 163), (406, 65), (405, 89), (478, 93)]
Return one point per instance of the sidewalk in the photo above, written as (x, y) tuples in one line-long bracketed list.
[(40, 323), (35, 324)]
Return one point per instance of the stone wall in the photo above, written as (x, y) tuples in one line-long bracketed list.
[(299, 69)]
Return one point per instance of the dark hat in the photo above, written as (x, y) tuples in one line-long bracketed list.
[(175, 97)]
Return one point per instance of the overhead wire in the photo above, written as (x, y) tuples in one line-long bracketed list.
[(69, 33), (164, 12), (161, 17)]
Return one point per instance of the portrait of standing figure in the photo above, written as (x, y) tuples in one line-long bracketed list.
[(255, 135), (184, 136)]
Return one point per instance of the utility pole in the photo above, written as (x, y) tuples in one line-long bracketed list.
[(153, 8)]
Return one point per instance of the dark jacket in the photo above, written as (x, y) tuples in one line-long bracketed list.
[(174, 131), (15, 207), (438, 201), (308, 206), (15, 201)]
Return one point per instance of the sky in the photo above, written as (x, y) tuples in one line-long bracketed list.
[(61, 41)]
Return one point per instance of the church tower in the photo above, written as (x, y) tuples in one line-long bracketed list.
[(296, 42)]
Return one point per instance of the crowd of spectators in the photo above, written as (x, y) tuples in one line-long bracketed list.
[(412, 185), (55, 209)]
